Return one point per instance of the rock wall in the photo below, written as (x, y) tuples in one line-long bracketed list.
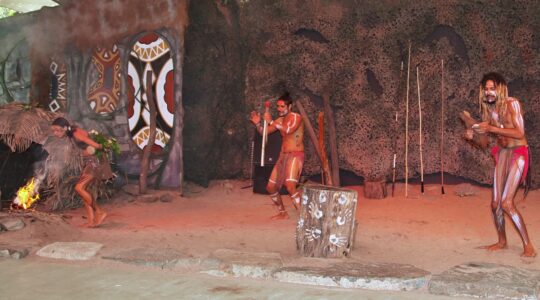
[(354, 49), (15, 67)]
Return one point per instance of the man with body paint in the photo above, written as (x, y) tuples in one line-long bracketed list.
[(291, 157), (502, 116)]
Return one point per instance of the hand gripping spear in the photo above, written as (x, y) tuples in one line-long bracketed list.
[(264, 133)]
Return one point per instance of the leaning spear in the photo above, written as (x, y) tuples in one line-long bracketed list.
[(407, 124), (395, 130), (442, 126), (420, 132)]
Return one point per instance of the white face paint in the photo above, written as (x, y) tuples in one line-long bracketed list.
[(490, 92), (282, 108), (491, 96)]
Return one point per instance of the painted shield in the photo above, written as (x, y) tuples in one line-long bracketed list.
[(104, 91), (151, 53)]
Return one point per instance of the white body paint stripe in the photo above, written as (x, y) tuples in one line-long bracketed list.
[(289, 125)]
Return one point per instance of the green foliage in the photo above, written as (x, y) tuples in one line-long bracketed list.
[(110, 145), (6, 12)]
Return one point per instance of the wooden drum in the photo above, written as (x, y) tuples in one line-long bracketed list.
[(327, 223)]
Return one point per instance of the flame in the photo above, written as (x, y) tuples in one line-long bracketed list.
[(27, 194)]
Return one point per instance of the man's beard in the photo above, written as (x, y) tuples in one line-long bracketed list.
[(490, 100), (490, 97)]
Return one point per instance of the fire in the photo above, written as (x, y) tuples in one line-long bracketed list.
[(27, 194)]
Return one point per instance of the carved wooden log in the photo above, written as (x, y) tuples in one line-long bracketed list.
[(326, 225), (375, 189)]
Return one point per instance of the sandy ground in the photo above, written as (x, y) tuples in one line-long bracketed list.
[(430, 231)]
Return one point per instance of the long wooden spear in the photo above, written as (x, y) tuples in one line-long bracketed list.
[(396, 127), (265, 132), (420, 131), (407, 125), (442, 126)]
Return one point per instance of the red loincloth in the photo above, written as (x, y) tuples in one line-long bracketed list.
[(516, 153)]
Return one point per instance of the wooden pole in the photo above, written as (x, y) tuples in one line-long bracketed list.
[(420, 132), (313, 138), (332, 135), (442, 126), (152, 135), (265, 131), (407, 125), (320, 123), (396, 127)]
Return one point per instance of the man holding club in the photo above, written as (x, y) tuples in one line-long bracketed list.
[(291, 157), (502, 116)]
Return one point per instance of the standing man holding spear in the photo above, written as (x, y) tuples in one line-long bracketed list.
[(291, 158)]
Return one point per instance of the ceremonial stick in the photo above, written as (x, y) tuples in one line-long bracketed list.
[(264, 133), (332, 135), (407, 125), (442, 126), (394, 162), (395, 131), (320, 122), (420, 134)]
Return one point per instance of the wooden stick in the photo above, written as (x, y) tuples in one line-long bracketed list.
[(145, 162), (313, 137), (332, 135), (394, 164), (442, 126), (420, 132), (396, 127), (320, 121), (265, 132), (407, 125)]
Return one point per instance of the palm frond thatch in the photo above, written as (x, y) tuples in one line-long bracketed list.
[(23, 124)]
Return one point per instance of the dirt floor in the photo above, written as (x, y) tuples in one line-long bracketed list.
[(432, 231)]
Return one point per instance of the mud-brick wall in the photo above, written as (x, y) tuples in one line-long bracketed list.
[(354, 50)]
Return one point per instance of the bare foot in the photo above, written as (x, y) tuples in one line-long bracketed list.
[(99, 218), (528, 252), (87, 225), (282, 215), (494, 247)]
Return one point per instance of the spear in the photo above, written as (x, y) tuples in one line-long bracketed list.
[(420, 134), (442, 126), (407, 124), (265, 131), (395, 135)]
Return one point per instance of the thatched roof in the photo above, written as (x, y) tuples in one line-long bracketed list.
[(22, 124)]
